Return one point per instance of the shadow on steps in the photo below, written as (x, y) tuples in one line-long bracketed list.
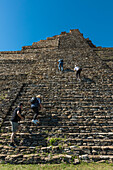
[(88, 80)]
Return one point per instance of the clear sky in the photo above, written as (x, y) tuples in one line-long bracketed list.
[(23, 22)]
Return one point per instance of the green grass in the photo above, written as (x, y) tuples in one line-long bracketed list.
[(82, 166), (52, 141), (3, 96)]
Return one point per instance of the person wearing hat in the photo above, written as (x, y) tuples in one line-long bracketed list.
[(16, 117), (78, 71), (36, 106)]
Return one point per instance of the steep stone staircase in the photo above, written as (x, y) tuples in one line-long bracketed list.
[(76, 121)]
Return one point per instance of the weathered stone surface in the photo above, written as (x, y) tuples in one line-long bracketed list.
[(77, 116)]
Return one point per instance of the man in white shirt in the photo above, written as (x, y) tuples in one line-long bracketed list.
[(78, 71)]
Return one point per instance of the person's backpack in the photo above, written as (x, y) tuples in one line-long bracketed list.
[(34, 102), (60, 61)]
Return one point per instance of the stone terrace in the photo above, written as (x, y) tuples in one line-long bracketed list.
[(76, 122)]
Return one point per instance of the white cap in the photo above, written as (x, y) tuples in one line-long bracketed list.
[(38, 96)]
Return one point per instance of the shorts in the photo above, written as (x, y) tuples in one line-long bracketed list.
[(15, 126), (36, 110)]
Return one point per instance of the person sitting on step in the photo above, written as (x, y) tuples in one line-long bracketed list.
[(36, 106)]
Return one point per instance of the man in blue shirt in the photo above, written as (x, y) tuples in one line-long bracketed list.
[(60, 65), (36, 106)]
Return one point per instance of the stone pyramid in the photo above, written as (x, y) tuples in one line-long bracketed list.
[(76, 122)]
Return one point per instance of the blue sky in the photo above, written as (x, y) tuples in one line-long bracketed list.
[(23, 22)]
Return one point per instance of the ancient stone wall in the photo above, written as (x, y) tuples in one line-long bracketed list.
[(106, 54), (50, 42)]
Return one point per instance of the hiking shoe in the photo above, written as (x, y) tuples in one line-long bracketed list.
[(35, 121), (12, 145), (30, 132)]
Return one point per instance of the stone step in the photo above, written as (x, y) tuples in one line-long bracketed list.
[(42, 140), (65, 119), (95, 135), (63, 146), (68, 153), (97, 158), (34, 158), (71, 128), (58, 134), (97, 150)]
